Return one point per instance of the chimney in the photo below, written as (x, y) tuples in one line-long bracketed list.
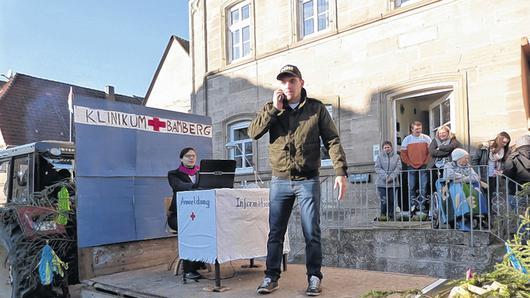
[(109, 92)]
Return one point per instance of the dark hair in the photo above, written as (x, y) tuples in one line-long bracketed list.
[(186, 150), (386, 143)]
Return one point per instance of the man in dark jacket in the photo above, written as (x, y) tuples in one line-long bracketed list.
[(295, 124), (517, 165)]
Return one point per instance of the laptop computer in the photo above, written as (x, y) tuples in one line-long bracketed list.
[(216, 173)]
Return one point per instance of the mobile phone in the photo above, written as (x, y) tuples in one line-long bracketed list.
[(284, 99)]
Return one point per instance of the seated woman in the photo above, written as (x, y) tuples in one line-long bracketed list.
[(463, 187), (460, 170), (182, 179)]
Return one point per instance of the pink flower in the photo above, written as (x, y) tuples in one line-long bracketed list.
[(469, 274)]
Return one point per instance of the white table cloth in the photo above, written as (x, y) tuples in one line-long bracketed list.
[(223, 224)]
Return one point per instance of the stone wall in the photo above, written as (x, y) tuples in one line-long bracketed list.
[(438, 253)]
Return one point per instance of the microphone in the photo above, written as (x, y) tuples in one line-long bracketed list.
[(230, 145)]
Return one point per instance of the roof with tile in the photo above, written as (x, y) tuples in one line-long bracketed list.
[(35, 109)]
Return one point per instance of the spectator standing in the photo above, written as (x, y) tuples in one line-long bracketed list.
[(440, 149), (388, 168), (415, 154), (491, 157), (517, 165)]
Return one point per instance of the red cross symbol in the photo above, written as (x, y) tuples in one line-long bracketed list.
[(156, 123), (192, 216)]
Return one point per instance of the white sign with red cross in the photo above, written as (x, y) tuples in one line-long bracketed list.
[(85, 115)]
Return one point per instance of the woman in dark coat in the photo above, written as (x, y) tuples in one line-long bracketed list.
[(517, 165), (441, 147), (182, 179)]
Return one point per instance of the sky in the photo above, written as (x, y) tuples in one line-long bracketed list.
[(90, 43)]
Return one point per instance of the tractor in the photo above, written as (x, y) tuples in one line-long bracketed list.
[(37, 210)]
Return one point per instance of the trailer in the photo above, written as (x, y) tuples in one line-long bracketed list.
[(71, 211)]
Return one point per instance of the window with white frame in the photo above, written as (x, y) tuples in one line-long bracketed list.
[(325, 159), (401, 3), (440, 114), (240, 146), (314, 16), (239, 30)]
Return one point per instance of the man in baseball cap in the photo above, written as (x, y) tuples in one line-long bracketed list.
[(289, 71), (296, 123)]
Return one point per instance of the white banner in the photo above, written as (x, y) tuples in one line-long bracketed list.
[(244, 220), (240, 222), (197, 225), (119, 119)]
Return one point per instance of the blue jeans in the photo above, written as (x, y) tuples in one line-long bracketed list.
[(413, 174), (387, 196), (282, 194)]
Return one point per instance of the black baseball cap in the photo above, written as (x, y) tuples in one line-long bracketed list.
[(289, 71)]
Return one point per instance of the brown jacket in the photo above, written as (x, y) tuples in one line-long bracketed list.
[(294, 144)]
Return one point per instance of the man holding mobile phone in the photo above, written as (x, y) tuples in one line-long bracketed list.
[(296, 123)]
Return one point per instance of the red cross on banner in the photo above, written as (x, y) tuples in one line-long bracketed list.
[(156, 124), (192, 216)]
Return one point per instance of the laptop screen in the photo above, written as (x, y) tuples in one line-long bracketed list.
[(216, 173)]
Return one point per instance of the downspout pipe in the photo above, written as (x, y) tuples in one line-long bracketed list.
[(205, 78), (192, 8)]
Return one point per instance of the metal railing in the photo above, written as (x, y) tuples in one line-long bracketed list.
[(491, 205)]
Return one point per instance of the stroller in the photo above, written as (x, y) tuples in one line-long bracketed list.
[(462, 206)]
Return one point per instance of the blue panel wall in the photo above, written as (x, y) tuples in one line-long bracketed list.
[(149, 213), (105, 210), (122, 172)]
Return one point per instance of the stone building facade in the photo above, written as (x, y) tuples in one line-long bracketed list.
[(376, 64)]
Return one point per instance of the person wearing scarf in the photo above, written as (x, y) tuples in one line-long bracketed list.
[(459, 170), (182, 179), (441, 147)]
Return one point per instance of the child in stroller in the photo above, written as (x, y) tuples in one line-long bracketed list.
[(458, 201)]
